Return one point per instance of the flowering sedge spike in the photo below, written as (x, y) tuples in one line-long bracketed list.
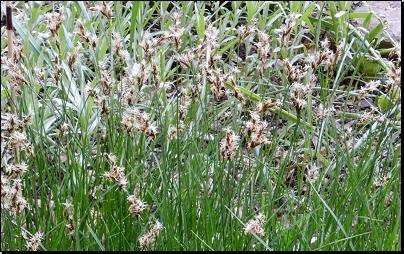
[(313, 174), (176, 30), (18, 139), (72, 58), (185, 59), (244, 32), (255, 129), (105, 10), (255, 225), (34, 242), (393, 78), (287, 29), (323, 112), (148, 44), (16, 170), (263, 46), (117, 46), (137, 206), (149, 239), (68, 212), (116, 173), (228, 145), (55, 20), (15, 75), (217, 82), (368, 88)]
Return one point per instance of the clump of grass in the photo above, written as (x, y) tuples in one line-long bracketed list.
[(196, 129)]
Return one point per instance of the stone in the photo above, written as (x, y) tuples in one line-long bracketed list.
[(366, 103), (389, 10)]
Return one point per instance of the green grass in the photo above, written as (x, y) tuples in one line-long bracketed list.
[(203, 202)]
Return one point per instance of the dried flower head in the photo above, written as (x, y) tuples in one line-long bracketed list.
[(299, 95), (71, 227), (85, 36), (367, 117), (103, 102), (11, 122), (313, 174), (148, 44), (255, 129), (196, 87), (137, 206), (15, 75), (149, 239), (92, 40), (332, 59), (19, 139), (12, 199), (18, 51), (236, 92), (255, 225), (5, 187), (16, 170), (156, 71), (294, 73), (72, 58), (134, 119), (63, 128), (68, 212), (143, 74), (176, 30), (173, 131), (105, 9), (368, 88), (185, 59), (105, 80), (287, 29), (263, 46), (211, 34), (93, 92), (117, 46), (34, 242), (55, 20), (184, 104), (57, 70), (40, 74), (323, 112), (217, 82), (244, 32), (347, 138), (116, 173), (228, 145), (393, 77)]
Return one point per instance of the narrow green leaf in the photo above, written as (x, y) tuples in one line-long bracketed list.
[(33, 45), (135, 11), (95, 238), (374, 32), (308, 23), (307, 13), (228, 46), (325, 23), (5, 93), (250, 11), (358, 15)]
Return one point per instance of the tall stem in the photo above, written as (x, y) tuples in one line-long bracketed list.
[(10, 49), (10, 56)]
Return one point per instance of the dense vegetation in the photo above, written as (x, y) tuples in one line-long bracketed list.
[(198, 126)]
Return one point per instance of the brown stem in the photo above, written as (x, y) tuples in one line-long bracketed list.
[(10, 48), (10, 56)]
